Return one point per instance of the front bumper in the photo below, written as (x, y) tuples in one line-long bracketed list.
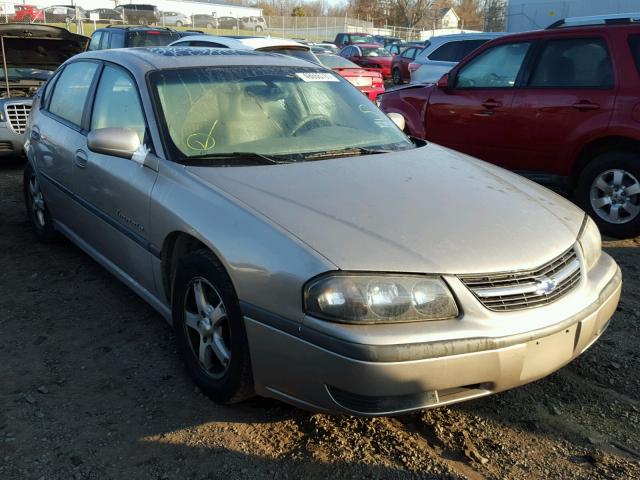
[(337, 376), (11, 144)]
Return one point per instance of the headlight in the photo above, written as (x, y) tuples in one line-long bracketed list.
[(363, 299), (2, 116), (590, 242)]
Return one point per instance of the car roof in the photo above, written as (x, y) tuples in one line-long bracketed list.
[(247, 43), (142, 60)]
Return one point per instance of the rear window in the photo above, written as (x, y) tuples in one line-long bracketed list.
[(362, 39), (455, 51), (634, 43), (375, 52), (151, 38), (292, 52), (334, 61)]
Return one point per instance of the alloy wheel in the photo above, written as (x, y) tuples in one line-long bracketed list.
[(37, 201), (207, 327), (615, 196)]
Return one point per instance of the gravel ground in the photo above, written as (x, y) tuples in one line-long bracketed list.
[(91, 387)]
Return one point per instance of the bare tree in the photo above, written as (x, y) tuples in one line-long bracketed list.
[(495, 14)]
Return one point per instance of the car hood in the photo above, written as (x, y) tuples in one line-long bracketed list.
[(40, 46), (426, 210)]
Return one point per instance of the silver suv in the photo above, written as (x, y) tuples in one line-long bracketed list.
[(299, 243), (443, 53)]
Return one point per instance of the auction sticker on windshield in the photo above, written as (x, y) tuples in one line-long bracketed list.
[(317, 77)]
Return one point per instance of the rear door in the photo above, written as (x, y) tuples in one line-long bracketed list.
[(406, 58), (474, 114), (115, 191), (569, 94), (57, 136)]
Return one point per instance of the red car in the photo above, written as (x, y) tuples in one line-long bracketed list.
[(368, 82), (370, 56), (400, 64), (561, 106), (27, 14)]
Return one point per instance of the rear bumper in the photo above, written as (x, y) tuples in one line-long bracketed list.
[(372, 93), (323, 378)]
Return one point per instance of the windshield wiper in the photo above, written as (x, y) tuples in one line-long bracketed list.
[(345, 152), (222, 159)]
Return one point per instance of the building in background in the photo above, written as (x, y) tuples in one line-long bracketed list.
[(523, 15)]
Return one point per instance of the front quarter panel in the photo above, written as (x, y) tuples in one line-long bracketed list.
[(267, 265), (410, 102)]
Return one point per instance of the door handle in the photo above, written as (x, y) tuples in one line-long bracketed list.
[(81, 159), (585, 105), (491, 104), (35, 133)]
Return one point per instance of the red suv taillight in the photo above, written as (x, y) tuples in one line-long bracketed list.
[(414, 66), (377, 81)]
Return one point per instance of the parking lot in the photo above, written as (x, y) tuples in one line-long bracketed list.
[(92, 388)]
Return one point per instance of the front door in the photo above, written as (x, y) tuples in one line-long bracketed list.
[(115, 191), (473, 115)]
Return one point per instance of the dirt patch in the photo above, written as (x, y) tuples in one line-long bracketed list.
[(91, 387)]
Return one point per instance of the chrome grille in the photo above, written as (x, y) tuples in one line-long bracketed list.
[(17, 116), (526, 289)]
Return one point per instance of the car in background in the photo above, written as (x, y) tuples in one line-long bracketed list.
[(174, 19), (108, 15), (204, 21), (386, 40), (443, 53), (370, 56), (260, 44), (299, 244), (140, 14), (344, 39), (27, 14), (228, 23), (119, 36), (257, 24), (559, 106), (368, 82), (32, 53), (64, 13), (400, 64)]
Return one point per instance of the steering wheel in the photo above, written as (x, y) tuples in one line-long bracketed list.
[(308, 122)]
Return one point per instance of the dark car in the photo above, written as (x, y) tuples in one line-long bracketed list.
[(386, 40), (204, 20), (400, 64), (108, 15), (344, 39), (115, 36), (64, 13), (558, 105), (141, 14), (229, 23)]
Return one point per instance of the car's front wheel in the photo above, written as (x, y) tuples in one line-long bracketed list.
[(37, 211), (210, 330), (609, 191), (209, 25), (397, 77), (178, 23), (258, 28)]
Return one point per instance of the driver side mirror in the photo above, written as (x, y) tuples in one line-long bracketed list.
[(117, 142), (444, 83), (397, 119)]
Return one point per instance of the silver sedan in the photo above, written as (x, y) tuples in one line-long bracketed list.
[(300, 244)]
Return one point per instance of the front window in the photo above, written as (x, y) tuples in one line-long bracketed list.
[(375, 52), (497, 67), (296, 113)]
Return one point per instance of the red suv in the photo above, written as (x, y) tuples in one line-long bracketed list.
[(560, 106), (27, 14)]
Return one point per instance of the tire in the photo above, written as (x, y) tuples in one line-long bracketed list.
[(27, 19), (224, 383), (259, 28), (397, 76), (37, 211), (209, 25), (178, 23), (609, 191)]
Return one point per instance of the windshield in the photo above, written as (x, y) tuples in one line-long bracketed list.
[(302, 53), (21, 73), (335, 61), (375, 52), (362, 39), (289, 111)]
